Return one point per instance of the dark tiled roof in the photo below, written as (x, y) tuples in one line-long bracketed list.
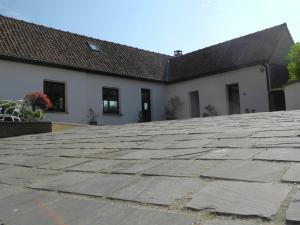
[(29, 42), (247, 50), (33, 43)]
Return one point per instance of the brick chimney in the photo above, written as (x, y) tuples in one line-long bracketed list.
[(177, 53)]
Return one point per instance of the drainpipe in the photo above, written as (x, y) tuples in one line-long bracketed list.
[(168, 65), (266, 66)]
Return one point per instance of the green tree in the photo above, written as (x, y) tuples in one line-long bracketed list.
[(294, 62)]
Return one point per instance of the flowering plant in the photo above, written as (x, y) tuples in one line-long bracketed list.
[(38, 100)]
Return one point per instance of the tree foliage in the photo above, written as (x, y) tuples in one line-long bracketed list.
[(294, 62)]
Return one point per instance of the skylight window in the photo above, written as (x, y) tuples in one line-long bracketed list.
[(94, 47)]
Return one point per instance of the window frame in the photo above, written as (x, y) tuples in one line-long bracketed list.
[(94, 47), (65, 96), (109, 110)]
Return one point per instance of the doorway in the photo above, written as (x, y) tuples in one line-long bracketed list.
[(146, 105), (233, 93), (195, 105)]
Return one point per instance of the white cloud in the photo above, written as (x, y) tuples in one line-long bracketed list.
[(206, 3)]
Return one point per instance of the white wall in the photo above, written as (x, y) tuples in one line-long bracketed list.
[(82, 92), (129, 96), (212, 90), (85, 91), (292, 93)]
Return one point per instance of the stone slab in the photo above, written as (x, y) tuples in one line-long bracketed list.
[(102, 185), (7, 190), (63, 163), (232, 143), (62, 182), (151, 217), (246, 170), (15, 175), (23, 202), (12, 159), (124, 215), (234, 134), (80, 152), (280, 154), (189, 137), (36, 161), (292, 142), (239, 198), (293, 212), (133, 166), (153, 145), (184, 168), (293, 174), (115, 154), (229, 222), (278, 133), (95, 165), (230, 153), (158, 191), (189, 144), (160, 154), (63, 211)]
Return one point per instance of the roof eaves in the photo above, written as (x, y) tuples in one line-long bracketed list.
[(78, 69), (196, 76)]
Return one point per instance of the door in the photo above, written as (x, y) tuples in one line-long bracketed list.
[(146, 105), (195, 106), (233, 98)]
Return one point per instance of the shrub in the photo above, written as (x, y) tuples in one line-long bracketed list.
[(7, 106), (92, 116), (294, 62), (172, 108), (38, 100), (29, 115), (210, 111)]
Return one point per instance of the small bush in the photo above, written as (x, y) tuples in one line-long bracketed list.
[(7, 107), (172, 108), (29, 115), (38, 100), (210, 111)]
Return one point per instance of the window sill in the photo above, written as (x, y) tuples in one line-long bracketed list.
[(112, 114), (53, 112)]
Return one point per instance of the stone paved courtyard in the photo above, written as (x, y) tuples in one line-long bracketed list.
[(231, 170)]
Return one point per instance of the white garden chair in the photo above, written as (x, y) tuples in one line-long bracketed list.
[(11, 113)]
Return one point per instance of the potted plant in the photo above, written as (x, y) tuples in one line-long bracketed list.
[(38, 101), (92, 117), (35, 104)]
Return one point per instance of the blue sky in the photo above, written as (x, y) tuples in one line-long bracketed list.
[(159, 25)]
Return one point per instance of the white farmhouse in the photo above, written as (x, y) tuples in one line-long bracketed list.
[(124, 83)]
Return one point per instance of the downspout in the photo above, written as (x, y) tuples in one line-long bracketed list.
[(266, 65), (168, 65)]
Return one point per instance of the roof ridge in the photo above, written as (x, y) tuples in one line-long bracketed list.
[(81, 35), (244, 36)]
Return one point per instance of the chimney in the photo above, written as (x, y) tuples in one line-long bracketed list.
[(177, 53)]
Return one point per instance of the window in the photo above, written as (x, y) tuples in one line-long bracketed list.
[(56, 93), (94, 47), (110, 98)]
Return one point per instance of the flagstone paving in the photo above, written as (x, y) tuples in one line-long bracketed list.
[(227, 170), (293, 215)]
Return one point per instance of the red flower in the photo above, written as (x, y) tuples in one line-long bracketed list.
[(38, 99)]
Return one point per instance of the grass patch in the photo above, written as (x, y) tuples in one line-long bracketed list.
[(57, 127)]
